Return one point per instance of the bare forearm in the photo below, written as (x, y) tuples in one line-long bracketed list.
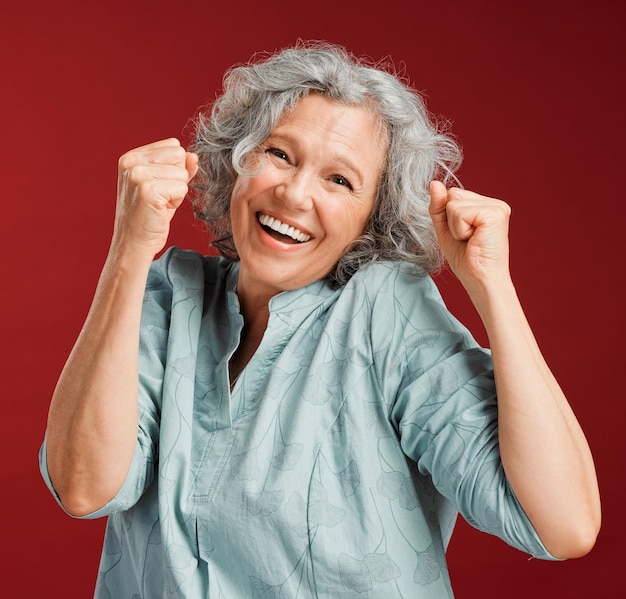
[(544, 451), (93, 419), (92, 424)]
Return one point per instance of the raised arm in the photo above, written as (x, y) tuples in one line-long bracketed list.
[(544, 451), (93, 417)]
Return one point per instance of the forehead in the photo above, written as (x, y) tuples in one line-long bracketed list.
[(315, 101), (348, 129)]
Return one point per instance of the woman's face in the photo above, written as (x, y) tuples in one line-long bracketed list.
[(316, 189)]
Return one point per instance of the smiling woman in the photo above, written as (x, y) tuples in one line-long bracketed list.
[(302, 416), (319, 176)]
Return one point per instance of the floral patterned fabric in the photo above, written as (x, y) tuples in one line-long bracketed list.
[(363, 423)]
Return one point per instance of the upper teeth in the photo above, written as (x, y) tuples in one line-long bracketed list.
[(276, 225)]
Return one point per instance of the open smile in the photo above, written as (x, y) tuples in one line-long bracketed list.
[(280, 230)]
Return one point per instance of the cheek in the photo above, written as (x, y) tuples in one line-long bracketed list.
[(243, 190), (239, 189), (347, 222), (237, 211), (246, 188)]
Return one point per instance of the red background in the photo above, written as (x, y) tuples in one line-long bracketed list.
[(535, 91)]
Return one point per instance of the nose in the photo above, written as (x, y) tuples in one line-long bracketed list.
[(295, 190)]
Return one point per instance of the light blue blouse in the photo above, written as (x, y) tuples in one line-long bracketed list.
[(365, 420)]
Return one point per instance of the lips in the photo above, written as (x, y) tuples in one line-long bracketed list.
[(283, 229)]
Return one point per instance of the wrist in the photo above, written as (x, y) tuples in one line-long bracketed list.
[(493, 298)]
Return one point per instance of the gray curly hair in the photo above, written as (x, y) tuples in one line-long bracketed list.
[(257, 95)]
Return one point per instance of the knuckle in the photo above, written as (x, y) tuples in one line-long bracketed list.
[(135, 174), (454, 193), (180, 156), (129, 156), (505, 208), (149, 185), (145, 188), (123, 162)]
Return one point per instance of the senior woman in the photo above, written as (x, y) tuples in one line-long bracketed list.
[(302, 416)]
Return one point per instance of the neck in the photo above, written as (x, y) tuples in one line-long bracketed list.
[(255, 312), (254, 302)]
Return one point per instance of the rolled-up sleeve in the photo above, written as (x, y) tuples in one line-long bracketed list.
[(444, 409)]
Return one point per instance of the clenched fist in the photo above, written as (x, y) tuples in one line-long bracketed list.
[(473, 233), (152, 183)]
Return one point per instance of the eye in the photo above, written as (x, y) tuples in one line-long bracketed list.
[(278, 153), (339, 180)]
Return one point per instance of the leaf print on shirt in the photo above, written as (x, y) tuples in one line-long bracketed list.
[(381, 567), (340, 334), (324, 390), (152, 560), (354, 574), (196, 296), (180, 561), (264, 503), (408, 497), (350, 479), (206, 365), (319, 513), (307, 343), (245, 465), (444, 382), (357, 347), (262, 590), (428, 569), (325, 513), (295, 513), (186, 366), (340, 422), (288, 457), (394, 485), (153, 339), (360, 575), (376, 419), (285, 455), (389, 483), (491, 520)]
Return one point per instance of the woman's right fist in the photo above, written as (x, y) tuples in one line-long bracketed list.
[(152, 183)]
